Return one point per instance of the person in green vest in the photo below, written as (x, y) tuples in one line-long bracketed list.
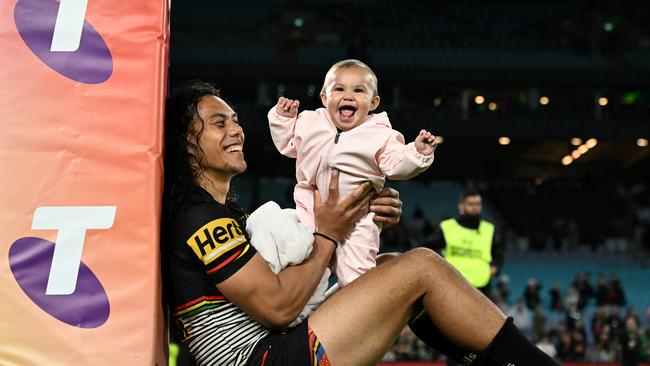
[(470, 244)]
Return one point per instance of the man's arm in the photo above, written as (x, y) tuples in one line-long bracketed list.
[(437, 242), (276, 300)]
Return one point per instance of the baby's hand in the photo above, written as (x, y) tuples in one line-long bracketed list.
[(287, 107), (425, 143)]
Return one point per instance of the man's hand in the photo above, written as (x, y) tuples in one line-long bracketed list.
[(387, 207), (493, 271), (337, 216), (287, 107)]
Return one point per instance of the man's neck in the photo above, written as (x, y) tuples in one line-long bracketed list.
[(216, 185), (471, 222)]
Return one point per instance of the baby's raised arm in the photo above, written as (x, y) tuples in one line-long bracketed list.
[(287, 107), (401, 162), (282, 122), (425, 143)]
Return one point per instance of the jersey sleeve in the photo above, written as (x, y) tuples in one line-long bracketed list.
[(215, 240)]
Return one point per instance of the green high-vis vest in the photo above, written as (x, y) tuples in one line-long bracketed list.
[(469, 250)]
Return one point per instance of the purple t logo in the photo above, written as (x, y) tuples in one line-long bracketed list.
[(53, 276), (60, 37)]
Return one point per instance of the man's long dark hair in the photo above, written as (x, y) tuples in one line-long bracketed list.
[(183, 154)]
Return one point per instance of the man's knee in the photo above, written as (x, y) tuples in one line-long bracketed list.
[(425, 252), (424, 257), (387, 257)]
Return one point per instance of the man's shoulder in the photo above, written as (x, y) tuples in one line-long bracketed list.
[(487, 223), (197, 208), (209, 229), (199, 212), (447, 221)]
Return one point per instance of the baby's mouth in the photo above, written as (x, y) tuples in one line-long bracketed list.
[(346, 113)]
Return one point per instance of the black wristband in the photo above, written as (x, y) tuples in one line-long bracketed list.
[(336, 243)]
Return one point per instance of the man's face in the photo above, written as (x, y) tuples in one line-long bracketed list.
[(222, 139), (471, 206)]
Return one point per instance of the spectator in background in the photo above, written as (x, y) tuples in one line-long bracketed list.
[(546, 346), (502, 305), (615, 296), (571, 299), (539, 322), (408, 347), (631, 313), (503, 290), (585, 291), (601, 291), (578, 338), (422, 351), (630, 344), (614, 320), (564, 351), (574, 322), (556, 298), (470, 244), (578, 345), (417, 225), (605, 345), (521, 316), (531, 293), (599, 323)]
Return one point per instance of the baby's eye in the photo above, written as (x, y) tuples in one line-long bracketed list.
[(338, 88), (359, 90)]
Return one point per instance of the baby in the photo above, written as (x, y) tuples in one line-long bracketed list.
[(362, 146)]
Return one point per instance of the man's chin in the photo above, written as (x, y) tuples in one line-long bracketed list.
[(241, 168), (233, 169)]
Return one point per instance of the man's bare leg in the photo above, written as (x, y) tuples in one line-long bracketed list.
[(360, 322), (422, 326)]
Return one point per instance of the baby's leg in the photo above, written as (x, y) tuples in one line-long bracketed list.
[(358, 253), (304, 198)]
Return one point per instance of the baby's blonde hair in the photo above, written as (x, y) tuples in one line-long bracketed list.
[(347, 64)]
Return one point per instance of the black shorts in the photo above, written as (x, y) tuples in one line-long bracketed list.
[(288, 347)]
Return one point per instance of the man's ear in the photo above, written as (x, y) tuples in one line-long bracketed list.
[(461, 210), (374, 103), (323, 99)]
